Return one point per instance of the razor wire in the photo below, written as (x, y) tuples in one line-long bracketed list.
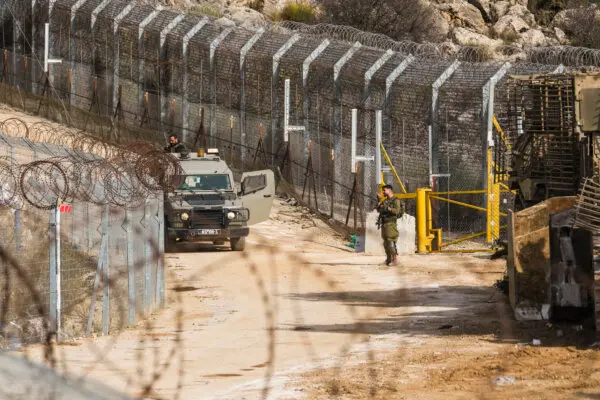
[(90, 170)]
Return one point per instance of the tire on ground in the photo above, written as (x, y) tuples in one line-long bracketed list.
[(238, 244)]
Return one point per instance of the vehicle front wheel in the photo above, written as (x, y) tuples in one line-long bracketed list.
[(238, 244)]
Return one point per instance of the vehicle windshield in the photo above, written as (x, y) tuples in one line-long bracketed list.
[(204, 182)]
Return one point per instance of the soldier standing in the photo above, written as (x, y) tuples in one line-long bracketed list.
[(390, 208)]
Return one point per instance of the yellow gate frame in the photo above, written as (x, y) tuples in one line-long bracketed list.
[(429, 239)]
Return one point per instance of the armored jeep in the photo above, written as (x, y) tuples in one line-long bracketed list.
[(205, 206)]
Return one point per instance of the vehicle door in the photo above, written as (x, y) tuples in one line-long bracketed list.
[(257, 193)]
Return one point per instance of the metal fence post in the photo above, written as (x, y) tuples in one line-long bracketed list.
[(141, 56), (434, 143), (243, 52), (337, 117), (275, 105), (160, 273), (147, 261), (73, 49), (488, 115), (99, 270), (54, 283), (389, 81), (18, 243), (164, 92), (306, 95), (105, 270), (130, 267), (117, 50), (213, 83), (185, 107)]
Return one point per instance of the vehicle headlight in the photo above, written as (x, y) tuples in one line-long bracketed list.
[(230, 215), (185, 216)]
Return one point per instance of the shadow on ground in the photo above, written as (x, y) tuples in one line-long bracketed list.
[(441, 311)]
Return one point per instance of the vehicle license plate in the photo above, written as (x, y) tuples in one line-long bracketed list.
[(208, 232)]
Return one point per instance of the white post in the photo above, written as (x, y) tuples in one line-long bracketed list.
[(287, 128), (378, 125), (354, 137), (356, 157), (58, 283)]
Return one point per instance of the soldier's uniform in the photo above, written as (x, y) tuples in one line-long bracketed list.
[(389, 211)]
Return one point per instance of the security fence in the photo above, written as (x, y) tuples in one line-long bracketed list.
[(82, 235), (132, 71)]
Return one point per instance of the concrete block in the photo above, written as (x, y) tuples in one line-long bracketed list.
[(406, 239)]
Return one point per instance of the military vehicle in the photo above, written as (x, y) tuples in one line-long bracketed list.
[(206, 207), (554, 232)]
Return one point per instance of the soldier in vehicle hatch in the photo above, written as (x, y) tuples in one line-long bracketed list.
[(174, 145), (390, 208)]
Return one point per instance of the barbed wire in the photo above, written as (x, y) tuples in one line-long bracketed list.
[(94, 171)]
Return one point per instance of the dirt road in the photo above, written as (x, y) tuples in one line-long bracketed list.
[(299, 315)]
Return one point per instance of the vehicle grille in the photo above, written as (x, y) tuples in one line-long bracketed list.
[(207, 219)]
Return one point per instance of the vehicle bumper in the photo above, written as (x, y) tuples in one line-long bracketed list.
[(203, 235)]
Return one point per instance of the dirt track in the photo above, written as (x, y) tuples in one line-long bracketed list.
[(434, 324)]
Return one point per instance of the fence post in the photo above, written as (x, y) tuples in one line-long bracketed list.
[(105, 270), (186, 105), (306, 95), (337, 115), (213, 83), (243, 53), (434, 145), (275, 105), (488, 115), (130, 267), (141, 56), (164, 92), (389, 81), (99, 269), (73, 51), (160, 273), (117, 50), (18, 245), (147, 262), (54, 282)]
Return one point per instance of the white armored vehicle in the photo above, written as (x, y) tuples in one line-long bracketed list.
[(206, 207)]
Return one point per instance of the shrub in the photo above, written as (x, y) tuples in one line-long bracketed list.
[(298, 11), (206, 10), (399, 19), (583, 27)]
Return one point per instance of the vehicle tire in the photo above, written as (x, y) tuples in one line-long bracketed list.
[(238, 244)]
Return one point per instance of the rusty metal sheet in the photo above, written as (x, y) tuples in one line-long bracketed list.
[(528, 261)]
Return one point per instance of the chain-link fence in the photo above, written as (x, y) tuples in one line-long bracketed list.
[(72, 249), (131, 71)]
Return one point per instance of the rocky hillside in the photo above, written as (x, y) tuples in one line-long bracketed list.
[(500, 27)]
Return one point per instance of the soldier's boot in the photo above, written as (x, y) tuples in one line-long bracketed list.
[(394, 258)]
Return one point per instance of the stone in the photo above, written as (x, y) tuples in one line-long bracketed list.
[(510, 25), (533, 38), (461, 13), (467, 37), (499, 9), (245, 17), (522, 12), (225, 22), (561, 36)]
